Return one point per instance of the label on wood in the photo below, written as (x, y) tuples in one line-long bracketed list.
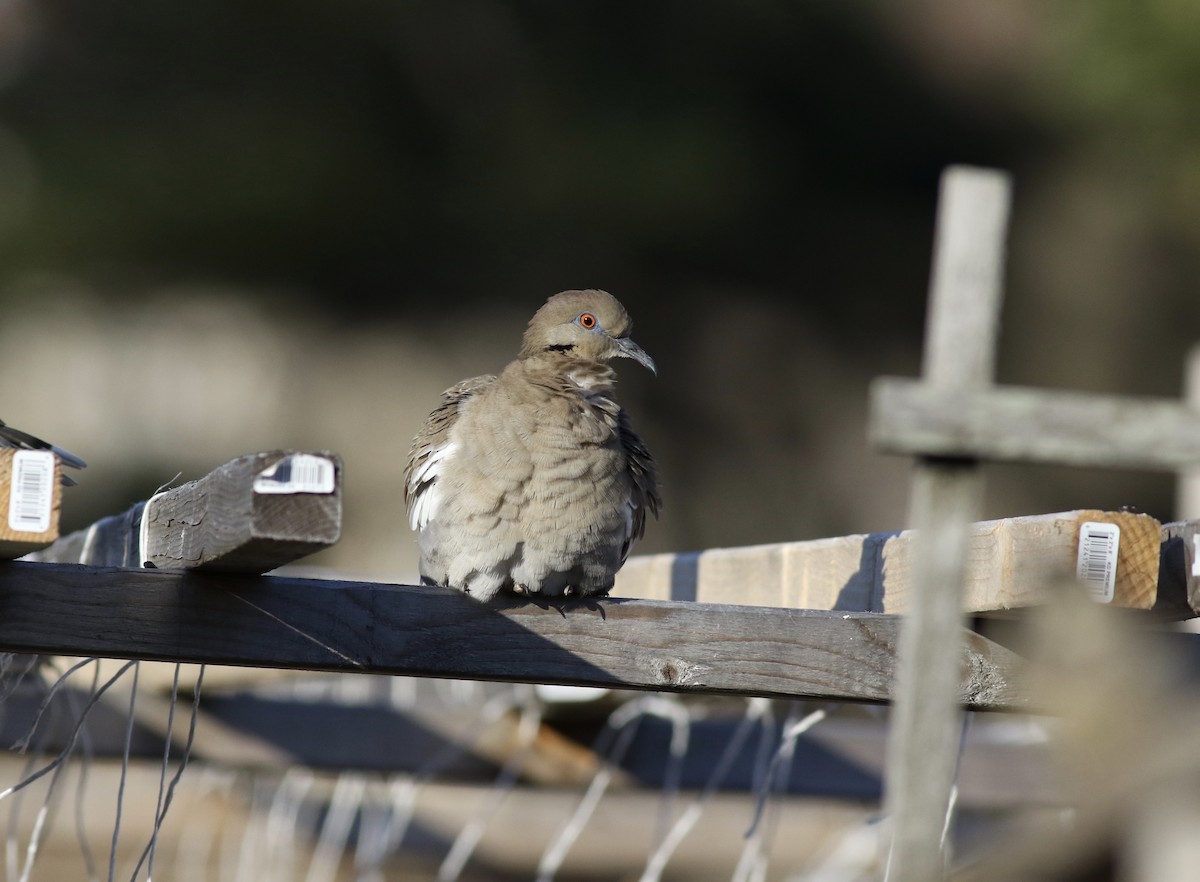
[(1013, 562), (1096, 563), (31, 492), (30, 496), (298, 473)]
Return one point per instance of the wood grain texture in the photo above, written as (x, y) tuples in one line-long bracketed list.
[(16, 543), (1016, 562), (1014, 423), (962, 325), (1179, 592), (1012, 562), (1187, 506), (962, 322), (215, 523), (420, 631), (220, 523)]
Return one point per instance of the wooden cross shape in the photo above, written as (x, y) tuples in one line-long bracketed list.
[(950, 419)]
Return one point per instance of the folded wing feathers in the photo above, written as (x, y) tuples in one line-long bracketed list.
[(432, 448)]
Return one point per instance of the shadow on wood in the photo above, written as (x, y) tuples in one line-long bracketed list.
[(395, 629)]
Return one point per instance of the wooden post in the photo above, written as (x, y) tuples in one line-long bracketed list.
[(253, 514), (1187, 506), (955, 416), (946, 498)]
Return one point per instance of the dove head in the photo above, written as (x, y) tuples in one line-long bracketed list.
[(591, 325)]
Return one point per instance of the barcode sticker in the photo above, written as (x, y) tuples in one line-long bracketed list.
[(298, 473), (1096, 566), (31, 493)]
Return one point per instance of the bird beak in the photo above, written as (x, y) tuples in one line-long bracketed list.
[(626, 348)]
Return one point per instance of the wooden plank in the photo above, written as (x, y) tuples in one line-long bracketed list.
[(1018, 562), (1180, 568), (1188, 504), (1007, 761), (1011, 562), (15, 542), (1034, 425), (392, 629), (229, 524), (229, 520), (219, 827), (946, 498)]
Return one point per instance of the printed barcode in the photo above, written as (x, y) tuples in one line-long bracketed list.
[(309, 471), (1096, 564), (31, 493), (298, 473)]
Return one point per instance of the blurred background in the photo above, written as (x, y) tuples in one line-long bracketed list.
[(234, 226)]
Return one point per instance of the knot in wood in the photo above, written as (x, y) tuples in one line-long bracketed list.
[(675, 672)]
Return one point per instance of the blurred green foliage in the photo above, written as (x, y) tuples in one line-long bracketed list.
[(374, 157)]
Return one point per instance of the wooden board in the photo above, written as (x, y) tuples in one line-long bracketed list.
[(229, 525), (17, 543), (219, 522), (1034, 425), (1011, 563), (395, 629), (1180, 569)]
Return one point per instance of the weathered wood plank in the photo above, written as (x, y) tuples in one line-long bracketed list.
[(1180, 569), (394, 629), (1015, 423), (1011, 562), (963, 317), (15, 537), (242, 517), (926, 722), (1187, 506), (230, 523), (964, 311)]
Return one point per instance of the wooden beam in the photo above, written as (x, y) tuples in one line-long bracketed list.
[(35, 524), (219, 826), (1015, 423), (394, 629), (253, 514), (1012, 562)]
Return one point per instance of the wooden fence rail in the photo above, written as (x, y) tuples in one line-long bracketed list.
[(366, 627)]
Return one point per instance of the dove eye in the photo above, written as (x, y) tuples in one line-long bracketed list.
[(587, 321)]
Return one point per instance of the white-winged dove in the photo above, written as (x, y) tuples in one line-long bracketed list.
[(533, 481), (10, 437)]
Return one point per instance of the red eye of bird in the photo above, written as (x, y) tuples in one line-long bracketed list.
[(587, 320)]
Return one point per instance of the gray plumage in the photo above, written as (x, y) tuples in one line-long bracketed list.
[(533, 481), (10, 437)]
